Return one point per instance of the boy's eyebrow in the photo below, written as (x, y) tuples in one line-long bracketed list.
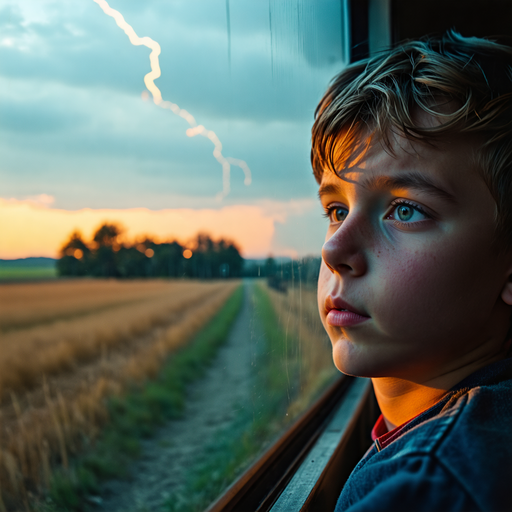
[(327, 189), (411, 180), (414, 180)]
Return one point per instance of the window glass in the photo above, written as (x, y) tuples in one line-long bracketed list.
[(159, 150)]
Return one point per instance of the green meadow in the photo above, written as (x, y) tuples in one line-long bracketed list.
[(27, 269)]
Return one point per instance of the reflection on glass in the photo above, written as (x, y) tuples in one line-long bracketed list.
[(140, 351)]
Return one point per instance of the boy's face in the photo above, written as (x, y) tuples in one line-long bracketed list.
[(409, 248)]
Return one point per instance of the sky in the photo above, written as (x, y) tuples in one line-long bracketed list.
[(83, 140)]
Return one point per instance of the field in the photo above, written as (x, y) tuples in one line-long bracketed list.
[(26, 273), (67, 346), (27, 269), (307, 343), (85, 371), (294, 365)]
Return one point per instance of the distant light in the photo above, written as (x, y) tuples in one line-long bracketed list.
[(149, 253), (141, 248), (78, 254), (187, 254)]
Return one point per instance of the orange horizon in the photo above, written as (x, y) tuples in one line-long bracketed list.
[(31, 228)]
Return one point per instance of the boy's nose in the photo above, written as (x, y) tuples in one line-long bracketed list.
[(344, 252)]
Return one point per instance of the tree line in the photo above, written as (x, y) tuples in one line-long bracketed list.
[(282, 274), (106, 256)]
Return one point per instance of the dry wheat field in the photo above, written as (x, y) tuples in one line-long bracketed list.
[(67, 345)]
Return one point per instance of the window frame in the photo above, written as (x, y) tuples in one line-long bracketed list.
[(305, 469)]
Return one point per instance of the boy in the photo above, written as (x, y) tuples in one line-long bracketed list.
[(413, 153)]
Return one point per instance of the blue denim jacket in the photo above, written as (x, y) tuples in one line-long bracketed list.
[(454, 457)]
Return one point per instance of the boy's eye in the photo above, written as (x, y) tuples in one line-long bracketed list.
[(336, 213), (405, 212)]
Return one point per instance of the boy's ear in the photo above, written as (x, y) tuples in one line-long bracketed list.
[(506, 293)]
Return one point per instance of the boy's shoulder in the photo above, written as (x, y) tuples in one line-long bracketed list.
[(455, 456)]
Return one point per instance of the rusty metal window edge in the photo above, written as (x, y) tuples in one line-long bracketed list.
[(307, 466)]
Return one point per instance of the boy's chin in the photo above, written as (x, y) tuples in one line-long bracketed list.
[(358, 361), (349, 360)]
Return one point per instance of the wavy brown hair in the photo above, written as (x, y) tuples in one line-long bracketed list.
[(379, 95)]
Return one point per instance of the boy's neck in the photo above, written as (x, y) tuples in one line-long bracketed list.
[(401, 400)]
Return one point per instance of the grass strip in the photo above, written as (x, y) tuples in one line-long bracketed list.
[(136, 414), (26, 273), (236, 447)]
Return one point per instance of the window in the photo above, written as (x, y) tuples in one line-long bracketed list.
[(127, 127)]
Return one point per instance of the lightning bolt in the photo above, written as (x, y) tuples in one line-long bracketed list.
[(195, 129)]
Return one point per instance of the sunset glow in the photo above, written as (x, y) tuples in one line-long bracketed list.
[(31, 229)]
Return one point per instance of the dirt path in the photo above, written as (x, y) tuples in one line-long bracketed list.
[(211, 404)]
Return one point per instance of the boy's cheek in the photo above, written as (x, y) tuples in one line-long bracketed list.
[(324, 275), (323, 289), (416, 298)]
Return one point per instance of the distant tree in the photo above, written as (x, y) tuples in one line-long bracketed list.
[(131, 262), (168, 260), (104, 261), (311, 270), (203, 243), (251, 270), (215, 259), (107, 257), (74, 256), (270, 267), (234, 260), (107, 234), (203, 259)]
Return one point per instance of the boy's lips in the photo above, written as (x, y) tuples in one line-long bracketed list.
[(341, 314)]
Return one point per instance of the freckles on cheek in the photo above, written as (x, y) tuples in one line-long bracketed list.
[(405, 282)]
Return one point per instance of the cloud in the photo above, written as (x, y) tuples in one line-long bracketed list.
[(116, 145), (72, 124), (11, 19), (43, 200), (86, 48), (36, 115), (301, 232)]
